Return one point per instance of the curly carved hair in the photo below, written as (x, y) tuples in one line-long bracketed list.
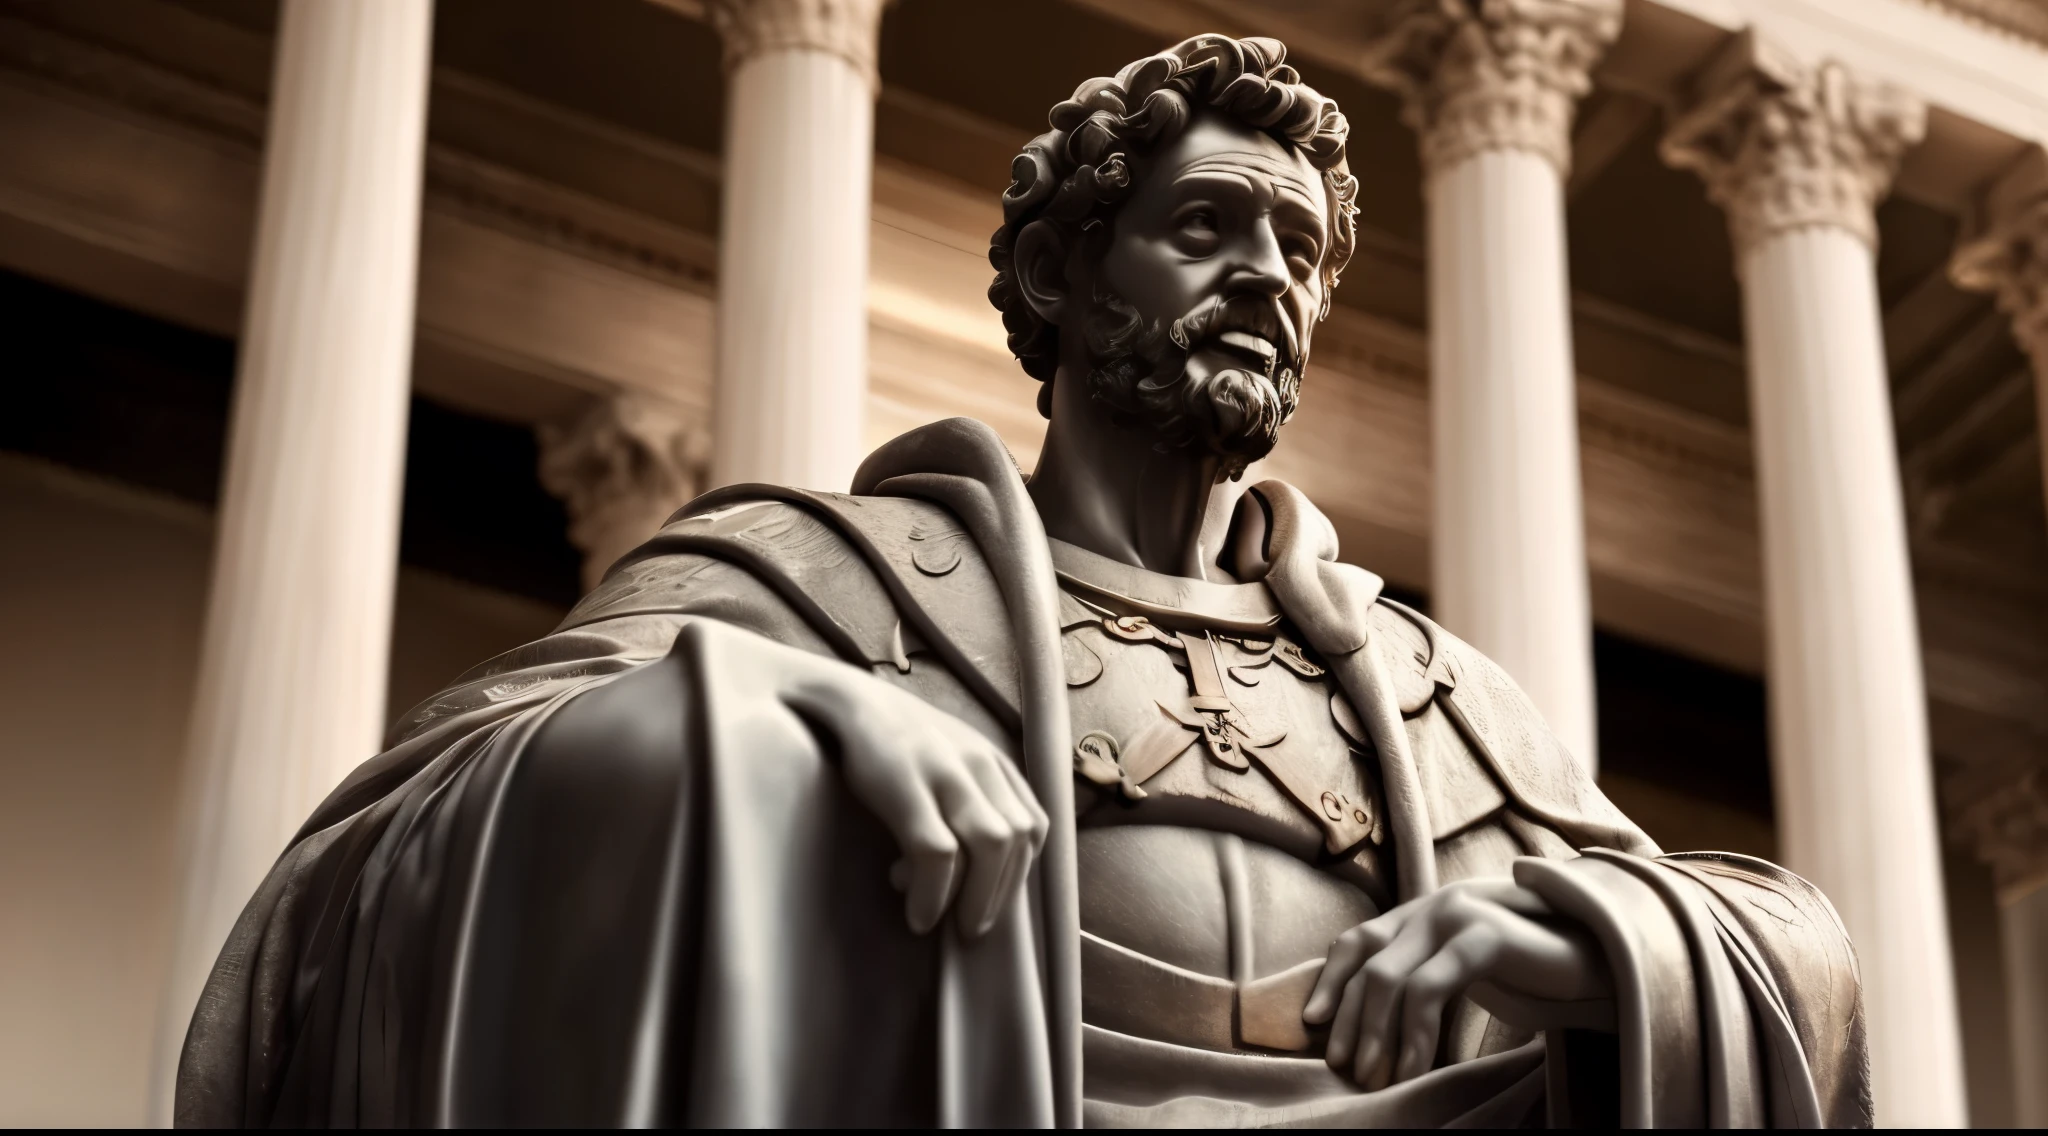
[(1079, 171)]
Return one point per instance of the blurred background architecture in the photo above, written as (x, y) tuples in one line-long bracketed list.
[(1689, 365)]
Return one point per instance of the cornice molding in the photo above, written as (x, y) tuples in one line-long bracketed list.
[(1784, 145), (477, 190), (848, 29), (1492, 74), (572, 222), (2022, 20), (106, 74)]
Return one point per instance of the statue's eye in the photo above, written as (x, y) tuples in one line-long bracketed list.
[(1198, 231), (1301, 258)]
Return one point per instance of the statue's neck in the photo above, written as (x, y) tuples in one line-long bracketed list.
[(1109, 490)]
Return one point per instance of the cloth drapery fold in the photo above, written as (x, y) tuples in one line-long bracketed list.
[(580, 888)]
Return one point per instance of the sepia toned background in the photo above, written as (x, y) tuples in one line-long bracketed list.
[(1688, 364)]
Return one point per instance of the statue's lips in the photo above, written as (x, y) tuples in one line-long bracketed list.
[(1255, 352), (1250, 328), (1247, 341)]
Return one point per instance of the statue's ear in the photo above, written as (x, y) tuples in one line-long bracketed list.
[(1040, 262)]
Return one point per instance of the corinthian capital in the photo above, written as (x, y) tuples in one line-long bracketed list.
[(2004, 251), (2007, 827), (1783, 145), (1478, 75), (621, 468), (845, 28)]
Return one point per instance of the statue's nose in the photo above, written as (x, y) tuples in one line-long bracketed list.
[(1260, 266)]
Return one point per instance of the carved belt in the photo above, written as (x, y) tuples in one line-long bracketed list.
[(1135, 994)]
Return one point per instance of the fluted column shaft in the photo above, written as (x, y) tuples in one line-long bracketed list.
[(792, 353), (296, 645), (1798, 157), (1491, 89)]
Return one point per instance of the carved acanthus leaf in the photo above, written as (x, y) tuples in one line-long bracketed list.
[(2005, 253), (1479, 75), (2007, 828), (1783, 145), (621, 468), (846, 28)]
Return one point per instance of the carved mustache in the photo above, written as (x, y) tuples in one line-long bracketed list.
[(1259, 319)]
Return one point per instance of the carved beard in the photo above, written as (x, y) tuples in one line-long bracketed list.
[(1140, 373)]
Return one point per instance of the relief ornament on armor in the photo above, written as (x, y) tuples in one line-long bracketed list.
[(1211, 714)]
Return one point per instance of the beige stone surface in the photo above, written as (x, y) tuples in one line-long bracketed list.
[(95, 694)]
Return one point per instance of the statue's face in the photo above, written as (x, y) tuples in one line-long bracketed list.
[(1225, 213), (1214, 268)]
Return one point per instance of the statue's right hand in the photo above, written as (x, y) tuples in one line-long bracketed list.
[(960, 810)]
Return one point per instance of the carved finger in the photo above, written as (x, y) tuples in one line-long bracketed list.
[(1462, 961), (1347, 954), (1027, 838), (988, 769), (985, 837), (1344, 1026), (1386, 979), (885, 758), (929, 872), (932, 859), (1040, 825), (1020, 846)]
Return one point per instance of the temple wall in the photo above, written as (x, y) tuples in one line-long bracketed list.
[(101, 588)]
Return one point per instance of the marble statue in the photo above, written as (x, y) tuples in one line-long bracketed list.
[(971, 799)]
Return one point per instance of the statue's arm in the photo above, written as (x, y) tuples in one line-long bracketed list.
[(558, 762), (963, 818), (1736, 1001), (1793, 956), (1726, 985)]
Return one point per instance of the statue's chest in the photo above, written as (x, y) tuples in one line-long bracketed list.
[(1235, 732)]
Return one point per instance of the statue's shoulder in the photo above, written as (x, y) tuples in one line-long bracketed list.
[(1496, 719), (815, 537), (1427, 663), (1407, 643), (879, 578)]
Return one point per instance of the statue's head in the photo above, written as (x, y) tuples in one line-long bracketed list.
[(1173, 241)]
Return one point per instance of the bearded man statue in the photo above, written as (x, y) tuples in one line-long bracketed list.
[(964, 799)]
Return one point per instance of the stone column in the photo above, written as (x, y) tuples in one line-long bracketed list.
[(2023, 931), (793, 249), (1491, 89), (2004, 251), (296, 646), (1798, 156), (622, 467)]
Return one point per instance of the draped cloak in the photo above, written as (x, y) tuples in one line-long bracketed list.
[(584, 886)]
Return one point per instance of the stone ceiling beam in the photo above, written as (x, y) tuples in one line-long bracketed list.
[(1611, 127), (1970, 456)]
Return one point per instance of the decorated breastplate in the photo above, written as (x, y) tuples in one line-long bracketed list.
[(1184, 718), (1230, 819)]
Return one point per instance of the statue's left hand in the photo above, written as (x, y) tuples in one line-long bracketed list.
[(1389, 980)]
